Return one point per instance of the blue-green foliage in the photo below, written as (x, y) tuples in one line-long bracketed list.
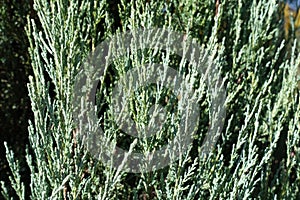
[(257, 154)]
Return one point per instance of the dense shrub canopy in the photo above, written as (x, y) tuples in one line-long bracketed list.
[(257, 153)]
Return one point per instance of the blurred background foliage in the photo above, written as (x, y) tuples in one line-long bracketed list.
[(15, 68)]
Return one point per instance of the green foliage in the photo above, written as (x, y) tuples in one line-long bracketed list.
[(257, 155), (14, 70)]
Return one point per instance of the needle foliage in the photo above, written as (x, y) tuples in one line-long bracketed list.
[(257, 153)]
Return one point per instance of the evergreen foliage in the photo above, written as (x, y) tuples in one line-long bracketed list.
[(257, 154), (14, 70)]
